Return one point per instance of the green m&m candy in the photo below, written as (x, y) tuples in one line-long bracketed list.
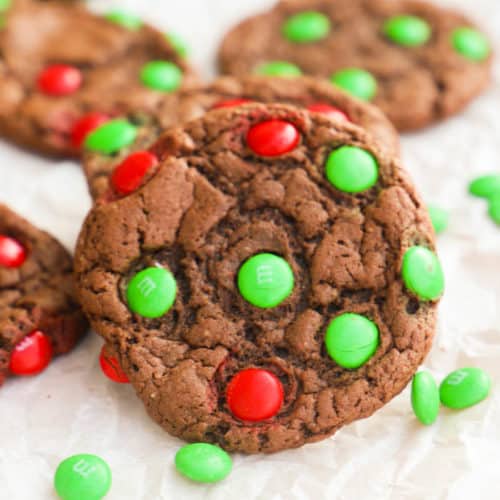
[(357, 82), (409, 31), (178, 44), (425, 397), (471, 44), (151, 292), (494, 209), (110, 137), (278, 68), (125, 19), (265, 280), (439, 218), (351, 169), (82, 477), (465, 387), (203, 463), (422, 273), (304, 27), (486, 186), (351, 340), (161, 75)]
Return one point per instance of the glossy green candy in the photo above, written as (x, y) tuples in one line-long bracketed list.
[(203, 463), (494, 209), (485, 186), (351, 340), (357, 82), (161, 75), (471, 44), (351, 169), (278, 68), (111, 137), (5, 4), (465, 387), (439, 217), (178, 44), (422, 273), (82, 477), (125, 19), (409, 31), (265, 280), (425, 397), (151, 292), (304, 27)]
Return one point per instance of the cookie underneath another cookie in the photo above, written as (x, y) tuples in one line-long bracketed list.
[(272, 280)]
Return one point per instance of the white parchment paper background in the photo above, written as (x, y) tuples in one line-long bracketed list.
[(72, 408)]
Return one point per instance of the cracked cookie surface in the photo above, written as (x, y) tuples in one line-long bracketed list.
[(212, 204)]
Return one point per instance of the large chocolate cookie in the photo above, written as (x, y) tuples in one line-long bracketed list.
[(39, 314), (181, 107), (273, 281), (63, 71), (417, 62)]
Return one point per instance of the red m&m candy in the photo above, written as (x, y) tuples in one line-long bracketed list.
[(85, 125), (129, 174), (12, 253), (111, 367), (254, 394), (231, 103), (32, 355), (59, 80), (330, 111), (273, 138)]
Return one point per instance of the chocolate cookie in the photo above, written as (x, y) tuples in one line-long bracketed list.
[(274, 280), (39, 314), (181, 107), (64, 71), (417, 62)]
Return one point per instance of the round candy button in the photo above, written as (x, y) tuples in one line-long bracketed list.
[(465, 387), (351, 340), (12, 253), (410, 31), (86, 124), (494, 209), (351, 169), (32, 355), (273, 138), (265, 280), (471, 44), (328, 110), (306, 27), (82, 477), (425, 397), (110, 137), (110, 366), (422, 273), (164, 76), (125, 19), (439, 218), (151, 292), (59, 80), (485, 186), (203, 462), (254, 395), (231, 103), (278, 68), (129, 174), (357, 82), (178, 44)]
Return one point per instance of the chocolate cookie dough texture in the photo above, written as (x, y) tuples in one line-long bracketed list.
[(129, 162), (419, 63), (39, 314), (273, 279), (64, 71)]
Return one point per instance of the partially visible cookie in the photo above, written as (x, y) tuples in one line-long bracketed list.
[(181, 107), (273, 280), (64, 71), (39, 313), (418, 62)]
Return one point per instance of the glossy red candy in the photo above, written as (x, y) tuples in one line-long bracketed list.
[(129, 174), (59, 80), (330, 111), (32, 355), (86, 124), (231, 103), (12, 253), (273, 138), (111, 367), (254, 394)]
